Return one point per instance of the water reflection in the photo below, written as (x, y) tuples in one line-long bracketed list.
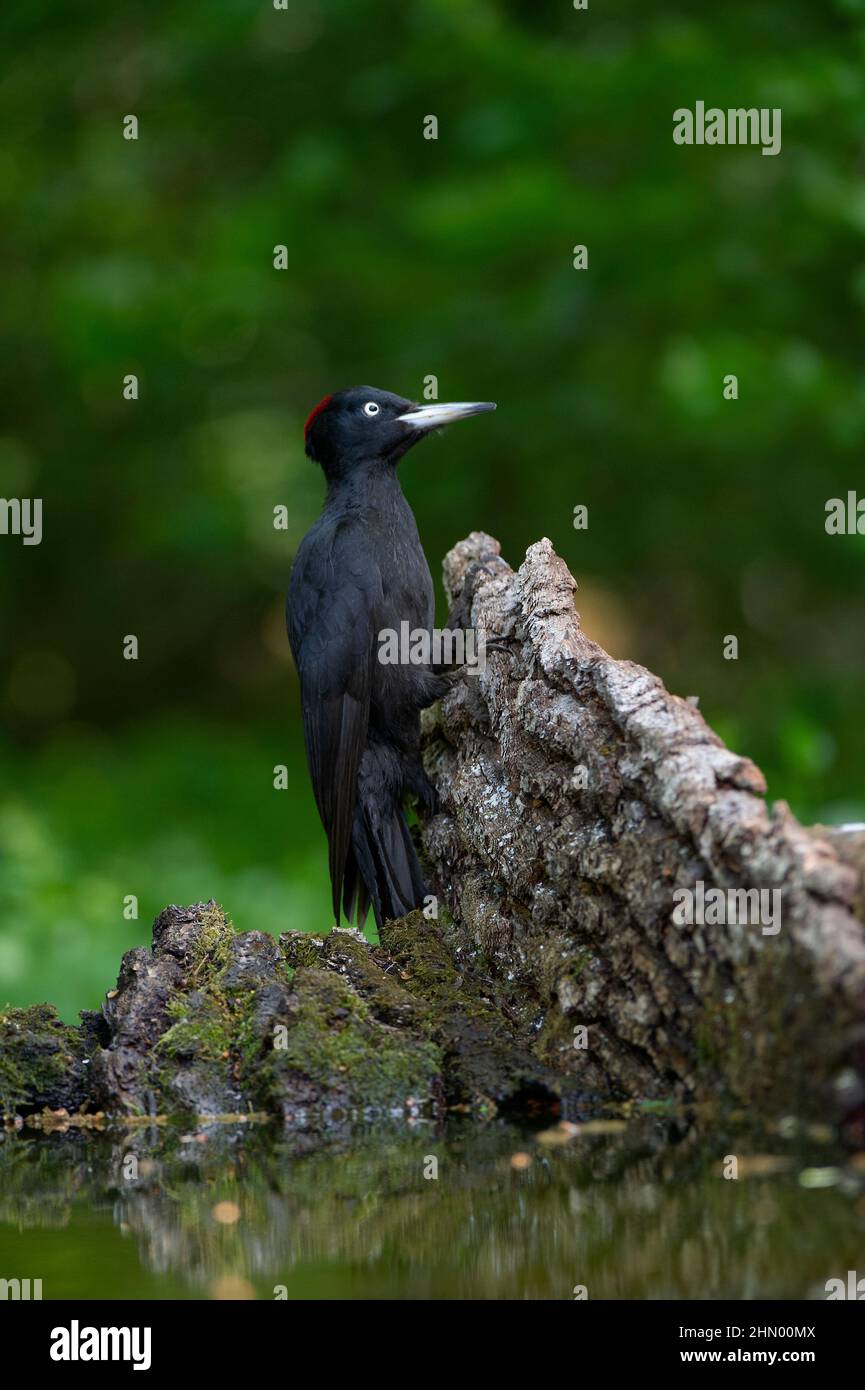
[(635, 1210)]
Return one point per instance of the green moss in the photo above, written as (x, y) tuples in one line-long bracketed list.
[(211, 1035), (441, 991), (428, 969), (299, 949), (197, 1059), (383, 988), (202, 1027), (334, 1041), (249, 1044), (487, 1061), (210, 949), (338, 1048), (750, 1045), (555, 1040), (36, 1049)]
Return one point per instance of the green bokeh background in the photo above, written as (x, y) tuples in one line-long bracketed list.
[(407, 257)]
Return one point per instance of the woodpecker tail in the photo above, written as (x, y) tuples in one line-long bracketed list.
[(382, 867)]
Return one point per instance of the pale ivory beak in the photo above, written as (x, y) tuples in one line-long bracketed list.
[(429, 417)]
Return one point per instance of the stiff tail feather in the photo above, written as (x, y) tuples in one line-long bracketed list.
[(382, 869)]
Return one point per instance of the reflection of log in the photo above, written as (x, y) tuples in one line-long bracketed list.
[(485, 1229), (577, 795)]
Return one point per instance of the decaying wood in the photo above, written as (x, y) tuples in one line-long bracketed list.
[(577, 794)]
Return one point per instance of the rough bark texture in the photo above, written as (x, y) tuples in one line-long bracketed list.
[(576, 795)]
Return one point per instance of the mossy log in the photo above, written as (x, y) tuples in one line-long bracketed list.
[(577, 796), (317, 1031)]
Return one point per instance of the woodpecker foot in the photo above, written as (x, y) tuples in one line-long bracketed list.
[(427, 802), (500, 644)]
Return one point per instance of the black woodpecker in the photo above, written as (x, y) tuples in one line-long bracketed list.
[(359, 571)]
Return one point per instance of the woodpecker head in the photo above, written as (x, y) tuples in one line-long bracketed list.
[(363, 425)]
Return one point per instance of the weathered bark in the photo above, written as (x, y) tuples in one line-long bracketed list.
[(566, 890)]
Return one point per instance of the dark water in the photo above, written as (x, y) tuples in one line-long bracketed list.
[(636, 1210)]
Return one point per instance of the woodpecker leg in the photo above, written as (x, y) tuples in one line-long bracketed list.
[(451, 674), (421, 788), (448, 676)]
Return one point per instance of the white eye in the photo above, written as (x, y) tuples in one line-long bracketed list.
[(371, 408)]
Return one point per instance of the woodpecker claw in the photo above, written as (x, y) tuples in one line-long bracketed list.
[(499, 644)]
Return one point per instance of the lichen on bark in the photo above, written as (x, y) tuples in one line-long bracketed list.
[(576, 795)]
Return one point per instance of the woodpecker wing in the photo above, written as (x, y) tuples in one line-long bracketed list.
[(335, 590)]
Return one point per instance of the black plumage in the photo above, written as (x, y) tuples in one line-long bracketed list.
[(361, 570)]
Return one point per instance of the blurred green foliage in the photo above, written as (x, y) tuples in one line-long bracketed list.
[(407, 257)]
